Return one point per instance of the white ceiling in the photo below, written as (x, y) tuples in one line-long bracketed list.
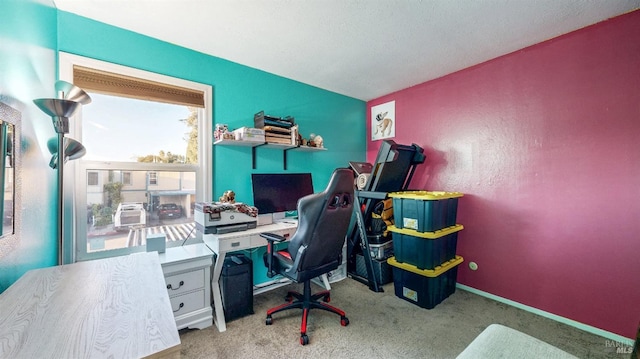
[(359, 48)]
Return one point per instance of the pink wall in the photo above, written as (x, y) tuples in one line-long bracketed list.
[(545, 144)]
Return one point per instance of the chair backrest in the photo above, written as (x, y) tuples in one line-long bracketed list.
[(323, 222)]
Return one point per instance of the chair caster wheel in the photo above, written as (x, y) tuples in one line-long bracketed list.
[(326, 298), (288, 298), (344, 321), (304, 339), (269, 320)]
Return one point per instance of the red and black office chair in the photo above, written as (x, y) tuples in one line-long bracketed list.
[(315, 248)]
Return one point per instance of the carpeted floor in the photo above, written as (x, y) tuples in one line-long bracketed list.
[(381, 326)]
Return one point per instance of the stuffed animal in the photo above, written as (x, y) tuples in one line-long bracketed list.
[(228, 197)]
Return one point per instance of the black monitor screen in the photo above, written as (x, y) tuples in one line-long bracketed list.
[(279, 192)]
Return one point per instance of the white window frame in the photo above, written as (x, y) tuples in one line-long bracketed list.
[(75, 171)]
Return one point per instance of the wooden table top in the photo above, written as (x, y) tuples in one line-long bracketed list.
[(108, 308)]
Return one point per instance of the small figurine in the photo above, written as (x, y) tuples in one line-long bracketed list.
[(318, 141), (220, 132), (228, 197)]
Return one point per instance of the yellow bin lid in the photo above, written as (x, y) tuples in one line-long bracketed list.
[(426, 195), (427, 272), (428, 235)]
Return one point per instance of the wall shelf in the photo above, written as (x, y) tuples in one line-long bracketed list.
[(237, 143), (254, 145)]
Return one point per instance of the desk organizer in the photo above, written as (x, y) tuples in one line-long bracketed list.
[(425, 250), (423, 287), (425, 211)]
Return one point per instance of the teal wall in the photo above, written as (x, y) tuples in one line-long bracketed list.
[(31, 33), (28, 71), (238, 93)]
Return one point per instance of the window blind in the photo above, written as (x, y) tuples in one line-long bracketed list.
[(109, 83)]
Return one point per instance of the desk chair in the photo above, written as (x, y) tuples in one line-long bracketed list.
[(315, 248)]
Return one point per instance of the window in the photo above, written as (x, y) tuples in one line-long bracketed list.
[(126, 178), (92, 178), (147, 138), (153, 178)]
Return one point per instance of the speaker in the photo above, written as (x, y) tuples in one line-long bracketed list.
[(237, 286)]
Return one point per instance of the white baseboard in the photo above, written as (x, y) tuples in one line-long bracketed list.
[(557, 318)]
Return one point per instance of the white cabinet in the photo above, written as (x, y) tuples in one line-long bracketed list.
[(187, 273)]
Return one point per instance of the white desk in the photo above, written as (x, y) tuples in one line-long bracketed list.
[(107, 308), (221, 244)]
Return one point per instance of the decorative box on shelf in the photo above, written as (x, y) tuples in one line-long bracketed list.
[(249, 134)]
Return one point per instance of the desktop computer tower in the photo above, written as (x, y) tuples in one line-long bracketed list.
[(237, 286)]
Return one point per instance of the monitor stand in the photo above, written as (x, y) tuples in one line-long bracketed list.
[(281, 217), (264, 219)]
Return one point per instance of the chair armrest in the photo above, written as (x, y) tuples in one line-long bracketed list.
[(271, 237)]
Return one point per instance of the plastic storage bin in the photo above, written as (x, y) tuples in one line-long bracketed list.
[(382, 271), (381, 251), (425, 211), (425, 250), (423, 287)]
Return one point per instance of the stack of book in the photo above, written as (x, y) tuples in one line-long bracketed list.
[(277, 129)]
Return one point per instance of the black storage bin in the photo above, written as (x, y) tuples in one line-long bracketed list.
[(382, 271), (425, 250), (236, 285), (425, 287), (425, 211)]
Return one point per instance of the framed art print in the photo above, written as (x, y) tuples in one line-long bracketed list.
[(383, 121)]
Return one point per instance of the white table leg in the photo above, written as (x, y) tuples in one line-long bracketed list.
[(218, 318), (325, 281)]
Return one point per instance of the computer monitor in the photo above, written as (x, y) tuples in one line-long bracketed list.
[(278, 193)]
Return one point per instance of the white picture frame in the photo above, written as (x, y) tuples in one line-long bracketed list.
[(383, 121)]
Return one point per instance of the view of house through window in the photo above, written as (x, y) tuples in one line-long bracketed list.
[(140, 169), (120, 216)]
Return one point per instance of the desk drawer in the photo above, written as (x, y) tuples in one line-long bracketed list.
[(185, 303), (235, 244), (185, 282)]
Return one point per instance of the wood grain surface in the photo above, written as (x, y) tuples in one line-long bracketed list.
[(108, 308)]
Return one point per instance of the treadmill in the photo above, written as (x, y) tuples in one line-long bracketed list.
[(392, 172)]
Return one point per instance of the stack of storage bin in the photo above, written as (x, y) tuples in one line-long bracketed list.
[(425, 236)]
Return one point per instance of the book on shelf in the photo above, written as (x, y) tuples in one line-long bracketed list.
[(277, 135), (277, 129), (278, 140)]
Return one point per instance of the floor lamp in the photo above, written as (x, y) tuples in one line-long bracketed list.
[(60, 109)]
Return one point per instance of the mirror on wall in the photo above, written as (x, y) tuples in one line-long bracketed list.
[(9, 129)]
